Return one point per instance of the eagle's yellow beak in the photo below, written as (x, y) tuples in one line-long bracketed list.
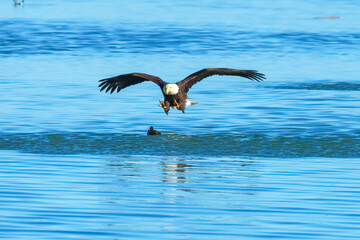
[(167, 90)]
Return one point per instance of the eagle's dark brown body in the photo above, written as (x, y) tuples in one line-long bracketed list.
[(179, 99)]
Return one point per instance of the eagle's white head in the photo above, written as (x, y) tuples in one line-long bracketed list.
[(171, 89)]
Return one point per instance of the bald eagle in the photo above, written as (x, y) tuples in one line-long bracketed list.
[(175, 94)]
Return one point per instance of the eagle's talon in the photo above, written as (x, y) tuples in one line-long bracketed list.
[(176, 104), (162, 104)]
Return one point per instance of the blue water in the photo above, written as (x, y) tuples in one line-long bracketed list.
[(276, 159)]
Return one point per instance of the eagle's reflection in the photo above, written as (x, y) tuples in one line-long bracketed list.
[(175, 170)]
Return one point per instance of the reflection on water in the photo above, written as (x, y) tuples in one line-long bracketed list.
[(175, 173), (174, 170), (142, 197)]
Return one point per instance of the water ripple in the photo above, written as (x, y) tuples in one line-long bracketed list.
[(213, 198), (337, 86), (28, 37), (184, 145)]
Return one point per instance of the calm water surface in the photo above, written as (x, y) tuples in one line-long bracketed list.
[(277, 159)]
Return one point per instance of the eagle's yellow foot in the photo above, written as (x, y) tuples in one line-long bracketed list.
[(176, 104), (162, 104)]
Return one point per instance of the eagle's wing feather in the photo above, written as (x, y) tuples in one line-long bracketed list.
[(123, 81), (190, 80)]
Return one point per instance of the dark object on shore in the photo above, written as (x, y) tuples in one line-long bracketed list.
[(328, 17), (18, 2), (152, 131), (175, 94)]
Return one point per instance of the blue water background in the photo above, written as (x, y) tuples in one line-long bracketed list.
[(277, 159)]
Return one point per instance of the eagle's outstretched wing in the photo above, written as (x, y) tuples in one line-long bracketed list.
[(190, 80), (126, 80)]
